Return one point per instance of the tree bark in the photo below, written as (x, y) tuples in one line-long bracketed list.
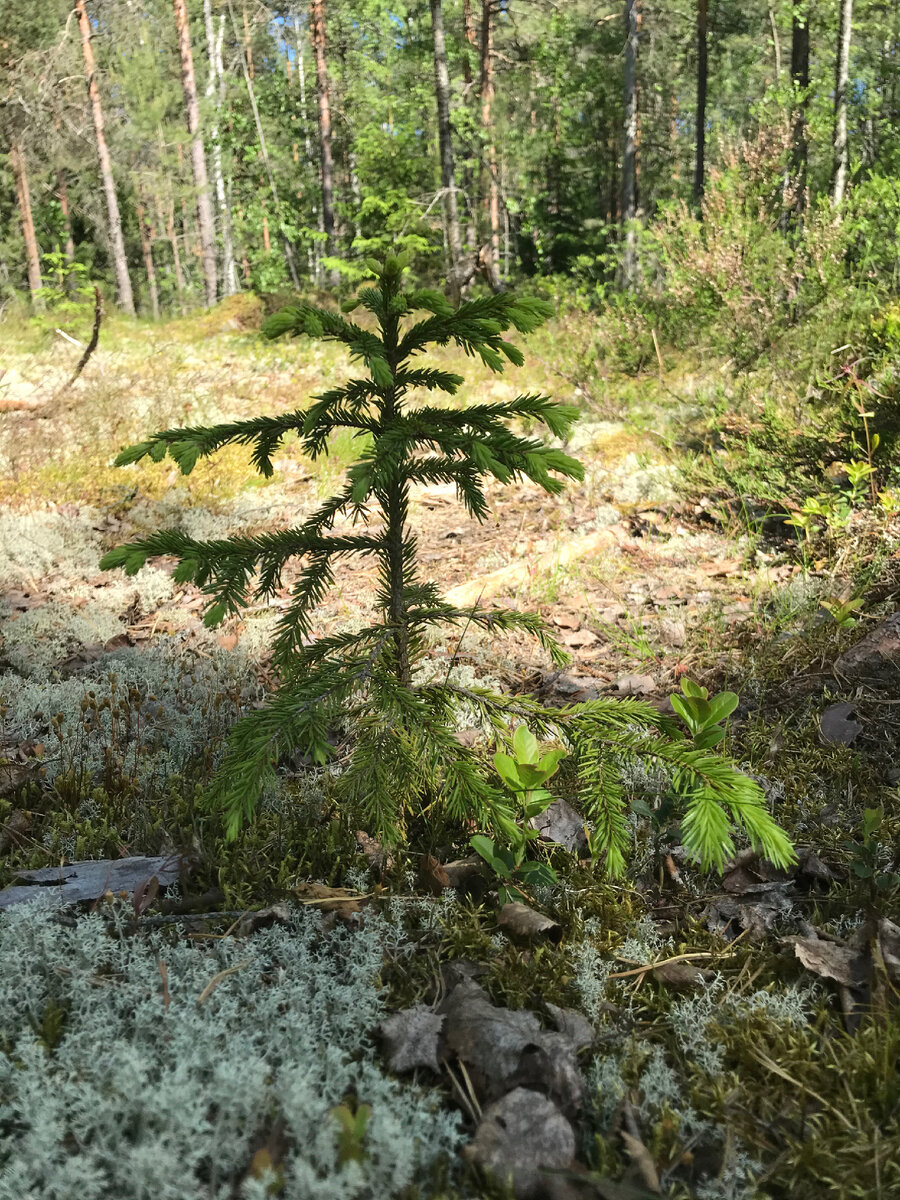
[(492, 197), (215, 89), (23, 199), (263, 149), (841, 84), (445, 142), (799, 134), (702, 77), (629, 162), (326, 154), (776, 41), (313, 254), (116, 240), (205, 221), (62, 191), (147, 250)]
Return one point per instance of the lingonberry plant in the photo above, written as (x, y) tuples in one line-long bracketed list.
[(405, 757)]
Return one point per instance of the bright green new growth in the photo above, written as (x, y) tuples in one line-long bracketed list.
[(406, 757)]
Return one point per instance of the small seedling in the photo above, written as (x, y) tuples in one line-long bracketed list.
[(703, 716), (867, 852), (352, 1131), (524, 772), (842, 610)]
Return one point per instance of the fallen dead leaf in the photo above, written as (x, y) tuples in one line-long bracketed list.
[(831, 960), (837, 727), (412, 1038), (519, 1137), (504, 1048), (635, 685), (560, 823), (522, 922)]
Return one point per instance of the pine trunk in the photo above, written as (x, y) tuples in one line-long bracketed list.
[(215, 90), (116, 240), (23, 199), (841, 84), (147, 250), (629, 162), (487, 128), (445, 142), (326, 154), (702, 78), (172, 234), (205, 221)]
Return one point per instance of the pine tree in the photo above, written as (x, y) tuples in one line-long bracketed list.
[(405, 755)]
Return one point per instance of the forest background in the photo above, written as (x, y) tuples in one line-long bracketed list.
[(265, 147)]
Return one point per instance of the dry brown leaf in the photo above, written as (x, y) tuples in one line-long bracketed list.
[(519, 1137), (412, 1038), (504, 1048), (844, 964), (262, 918), (578, 638), (520, 921), (433, 876)]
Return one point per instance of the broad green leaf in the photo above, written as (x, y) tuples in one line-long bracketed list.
[(482, 845), (508, 770), (549, 764), (705, 739), (693, 689), (722, 706), (525, 745)]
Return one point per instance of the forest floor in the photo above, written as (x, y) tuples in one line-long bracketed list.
[(744, 1036)]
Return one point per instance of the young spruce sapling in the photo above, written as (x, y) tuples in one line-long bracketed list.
[(405, 756)]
